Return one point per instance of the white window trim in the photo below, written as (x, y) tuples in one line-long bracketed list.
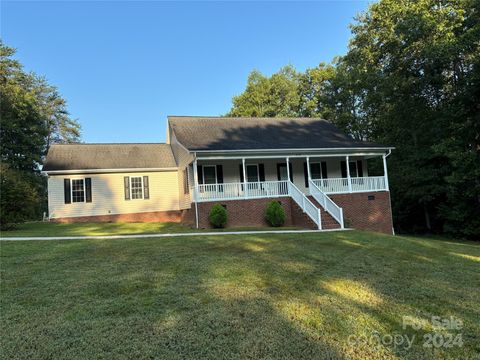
[(84, 191), (203, 174), (258, 172), (321, 171), (141, 181)]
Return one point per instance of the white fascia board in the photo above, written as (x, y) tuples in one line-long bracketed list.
[(102, 171)]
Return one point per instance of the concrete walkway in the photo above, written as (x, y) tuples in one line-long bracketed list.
[(142, 236)]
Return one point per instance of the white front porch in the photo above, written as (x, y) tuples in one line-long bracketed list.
[(247, 178), (298, 177)]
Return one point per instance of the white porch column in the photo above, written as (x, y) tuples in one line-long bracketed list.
[(195, 190), (288, 168), (308, 169), (385, 173), (349, 179), (244, 178)]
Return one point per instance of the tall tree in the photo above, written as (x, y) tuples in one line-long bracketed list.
[(410, 79), (33, 115), (274, 96)]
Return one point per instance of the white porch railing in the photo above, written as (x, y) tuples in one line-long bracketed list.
[(359, 184), (250, 190), (327, 203), (305, 204)]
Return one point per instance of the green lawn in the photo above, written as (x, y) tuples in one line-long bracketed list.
[(244, 296), (114, 228)]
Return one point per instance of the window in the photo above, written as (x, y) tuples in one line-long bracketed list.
[(209, 174), (186, 185), (78, 190), (353, 168), (136, 187), (315, 171), (252, 173)]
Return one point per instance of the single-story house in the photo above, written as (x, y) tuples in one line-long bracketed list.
[(318, 174)]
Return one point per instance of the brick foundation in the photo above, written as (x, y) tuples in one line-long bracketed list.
[(361, 213), (184, 216), (358, 211), (251, 212)]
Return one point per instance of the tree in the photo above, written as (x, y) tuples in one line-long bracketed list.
[(410, 79), (33, 116), (274, 96)]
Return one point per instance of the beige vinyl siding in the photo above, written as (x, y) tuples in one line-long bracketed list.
[(108, 196), (183, 158)]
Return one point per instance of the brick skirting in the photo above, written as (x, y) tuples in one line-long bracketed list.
[(366, 211), (185, 216), (251, 212)]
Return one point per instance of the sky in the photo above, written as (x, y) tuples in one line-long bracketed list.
[(123, 67)]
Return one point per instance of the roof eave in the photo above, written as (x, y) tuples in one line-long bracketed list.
[(103, 171)]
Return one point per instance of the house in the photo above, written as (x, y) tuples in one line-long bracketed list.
[(319, 175)]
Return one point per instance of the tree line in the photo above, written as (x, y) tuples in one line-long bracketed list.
[(410, 79), (33, 116)]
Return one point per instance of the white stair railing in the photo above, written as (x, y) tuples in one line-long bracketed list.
[(327, 203), (305, 204)]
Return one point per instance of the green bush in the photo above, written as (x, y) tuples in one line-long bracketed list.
[(218, 216), (275, 215)]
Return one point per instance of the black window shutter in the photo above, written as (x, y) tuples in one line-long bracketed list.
[(66, 191), (240, 168), (88, 189), (359, 168), (343, 166), (126, 185), (200, 174), (278, 171), (261, 172), (291, 171), (305, 172), (324, 170), (220, 174), (146, 188)]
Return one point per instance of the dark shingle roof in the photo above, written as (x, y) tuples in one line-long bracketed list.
[(109, 156), (221, 133)]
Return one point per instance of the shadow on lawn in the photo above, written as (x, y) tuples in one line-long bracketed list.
[(290, 296)]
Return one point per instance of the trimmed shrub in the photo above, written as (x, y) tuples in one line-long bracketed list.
[(275, 215), (218, 216)]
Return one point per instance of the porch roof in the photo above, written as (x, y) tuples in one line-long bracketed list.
[(247, 134)]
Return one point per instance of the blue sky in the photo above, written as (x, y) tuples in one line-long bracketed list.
[(124, 66)]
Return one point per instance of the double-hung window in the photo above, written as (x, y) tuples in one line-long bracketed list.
[(136, 187), (78, 190), (209, 174), (252, 173), (316, 171)]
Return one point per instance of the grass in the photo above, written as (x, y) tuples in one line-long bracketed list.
[(114, 228), (243, 296)]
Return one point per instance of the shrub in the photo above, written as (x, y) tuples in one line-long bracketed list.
[(218, 216), (275, 215)]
